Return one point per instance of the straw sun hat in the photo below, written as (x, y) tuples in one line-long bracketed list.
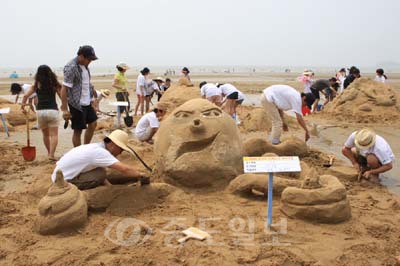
[(120, 138), (105, 93), (159, 79), (365, 139), (307, 72)]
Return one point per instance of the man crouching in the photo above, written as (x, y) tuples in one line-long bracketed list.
[(84, 166)]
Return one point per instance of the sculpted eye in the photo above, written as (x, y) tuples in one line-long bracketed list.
[(182, 114), (212, 113)]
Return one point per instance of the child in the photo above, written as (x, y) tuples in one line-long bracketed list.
[(380, 75)]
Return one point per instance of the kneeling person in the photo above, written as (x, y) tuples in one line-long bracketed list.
[(149, 123), (84, 166), (369, 153)]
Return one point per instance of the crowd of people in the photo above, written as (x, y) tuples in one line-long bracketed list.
[(84, 164)]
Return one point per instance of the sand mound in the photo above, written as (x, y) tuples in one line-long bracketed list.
[(15, 117), (321, 200), (63, 208), (105, 123), (365, 101), (178, 95), (198, 145), (183, 81), (291, 146), (123, 200)]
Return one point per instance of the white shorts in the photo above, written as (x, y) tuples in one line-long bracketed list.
[(47, 118), (139, 92), (144, 135)]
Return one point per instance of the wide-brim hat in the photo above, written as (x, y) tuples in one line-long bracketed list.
[(124, 66), (120, 138), (105, 92), (365, 139), (158, 79)]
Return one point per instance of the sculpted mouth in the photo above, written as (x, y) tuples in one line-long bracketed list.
[(194, 146)]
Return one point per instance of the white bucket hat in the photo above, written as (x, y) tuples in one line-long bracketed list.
[(365, 139), (123, 66), (120, 138)]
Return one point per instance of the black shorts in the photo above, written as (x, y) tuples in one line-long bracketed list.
[(80, 120), (233, 96), (315, 93)]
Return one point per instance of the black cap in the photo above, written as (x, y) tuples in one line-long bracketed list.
[(186, 69), (88, 52)]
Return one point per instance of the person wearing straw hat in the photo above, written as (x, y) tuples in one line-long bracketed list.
[(157, 83), (101, 94), (149, 123), (120, 83), (369, 153), (85, 165), (306, 79)]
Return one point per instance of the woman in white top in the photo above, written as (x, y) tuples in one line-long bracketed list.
[(341, 76), (141, 89), (211, 92), (307, 79), (232, 96), (380, 75)]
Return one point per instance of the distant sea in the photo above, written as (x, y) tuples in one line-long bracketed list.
[(101, 71)]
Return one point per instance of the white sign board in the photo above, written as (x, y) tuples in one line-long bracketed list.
[(4, 110), (118, 103), (271, 164)]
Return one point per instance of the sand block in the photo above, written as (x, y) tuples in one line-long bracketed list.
[(175, 96), (185, 82), (15, 117), (198, 145), (62, 209), (125, 200), (345, 172), (256, 120), (326, 204), (105, 123), (291, 146)]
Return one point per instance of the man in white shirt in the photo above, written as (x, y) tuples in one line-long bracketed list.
[(369, 153), (279, 98), (84, 166), (211, 92), (77, 93), (149, 123), (17, 89)]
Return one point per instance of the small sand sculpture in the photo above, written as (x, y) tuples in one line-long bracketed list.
[(178, 95), (319, 199), (365, 101), (198, 145), (291, 146), (63, 208), (184, 81)]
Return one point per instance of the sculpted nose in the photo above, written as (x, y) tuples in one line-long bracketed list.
[(197, 126)]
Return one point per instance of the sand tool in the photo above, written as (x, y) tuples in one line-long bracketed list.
[(128, 120), (28, 152), (331, 159), (193, 233)]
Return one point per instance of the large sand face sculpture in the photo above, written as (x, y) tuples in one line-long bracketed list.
[(198, 145)]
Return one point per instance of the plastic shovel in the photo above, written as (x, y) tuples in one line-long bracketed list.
[(28, 152), (193, 233)]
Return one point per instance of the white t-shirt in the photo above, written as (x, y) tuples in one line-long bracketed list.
[(85, 94), (381, 149), (341, 79), (82, 159), (284, 97), (148, 120), (26, 88), (307, 86), (210, 90), (380, 79), (228, 89), (141, 81)]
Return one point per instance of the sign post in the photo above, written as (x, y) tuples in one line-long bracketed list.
[(4, 111), (118, 104), (271, 165)]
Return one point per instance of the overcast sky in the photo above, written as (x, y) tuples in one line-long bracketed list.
[(201, 32)]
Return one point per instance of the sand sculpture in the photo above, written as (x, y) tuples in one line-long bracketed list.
[(184, 81), (178, 95), (198, 145), (322, 199), (63, 208), (15, 117), (365, 101), (291, 146)]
